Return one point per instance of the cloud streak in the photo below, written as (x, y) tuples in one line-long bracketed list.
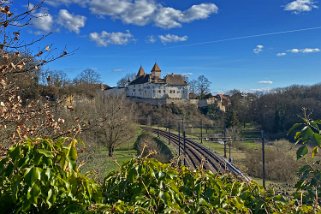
[(265, 82), (304, 50), (170, 38), (247, 37)]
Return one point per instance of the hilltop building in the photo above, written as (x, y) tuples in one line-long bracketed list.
[(152, 86)]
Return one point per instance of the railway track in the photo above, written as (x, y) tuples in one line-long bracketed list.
[(197, 155)]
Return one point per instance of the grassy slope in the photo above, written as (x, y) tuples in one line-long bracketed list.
[(98, 164)]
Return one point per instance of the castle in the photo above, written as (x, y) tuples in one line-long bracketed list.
[(152, 86)]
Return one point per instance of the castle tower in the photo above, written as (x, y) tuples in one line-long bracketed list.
[(141, 72), (156, 72)]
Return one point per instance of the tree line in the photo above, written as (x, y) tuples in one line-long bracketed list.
[(277, 110)]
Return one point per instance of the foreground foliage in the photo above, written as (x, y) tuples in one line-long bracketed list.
[(41, 176), (308, 135), (145, 185)]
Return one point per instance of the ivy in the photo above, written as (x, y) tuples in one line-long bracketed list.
[(146, 184), (40, 175)]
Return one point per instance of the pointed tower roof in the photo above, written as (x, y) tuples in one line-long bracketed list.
[(141, 72), (156, 68)]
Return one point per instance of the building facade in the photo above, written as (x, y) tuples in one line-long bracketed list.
[(152, 86)]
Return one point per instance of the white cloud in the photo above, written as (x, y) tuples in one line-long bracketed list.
[(258, 49), (70, 21), (304, 50), (112, 8), (169, 38), (201, 11), (42, 21), (151, 39), (105, 39), (56, 3), (167, 17), (281, 54), (299, 6), (310, 50), (266, 82), (143, 12), (140, 13)]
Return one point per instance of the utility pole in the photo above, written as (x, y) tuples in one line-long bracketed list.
[(179, 140), (201, 131), (229, 150), (224, 141), (263, 158), (184, 136), (169, 135)]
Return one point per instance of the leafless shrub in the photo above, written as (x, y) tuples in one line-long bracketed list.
[(19, 116), (150, 146), (281, 164)]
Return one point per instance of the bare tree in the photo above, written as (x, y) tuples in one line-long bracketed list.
[(193, 86), (114, 120), (203, 86), (126, 79), (88, 76), (55, 78)]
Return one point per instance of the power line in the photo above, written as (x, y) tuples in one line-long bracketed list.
[(245, 37)]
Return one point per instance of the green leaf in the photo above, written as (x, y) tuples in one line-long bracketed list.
[(9, 169), (302, 151), (32, 175), (35, 192), (15, 152), (48, 198), (294, 128), (315, 151), (306, 134), (46, 153), (317, 139)]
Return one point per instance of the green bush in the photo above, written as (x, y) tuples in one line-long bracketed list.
[(308, 135), (41, 175), (148, 186)]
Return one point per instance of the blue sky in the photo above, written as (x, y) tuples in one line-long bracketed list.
[(247, 45)]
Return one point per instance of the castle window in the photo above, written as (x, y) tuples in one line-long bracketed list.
[(159, 91)]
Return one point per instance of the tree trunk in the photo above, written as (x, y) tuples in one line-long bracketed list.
[(110, 151)]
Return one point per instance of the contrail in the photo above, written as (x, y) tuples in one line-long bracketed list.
[(245, 37)]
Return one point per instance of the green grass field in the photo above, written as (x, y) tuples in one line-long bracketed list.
[(98, 164)]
